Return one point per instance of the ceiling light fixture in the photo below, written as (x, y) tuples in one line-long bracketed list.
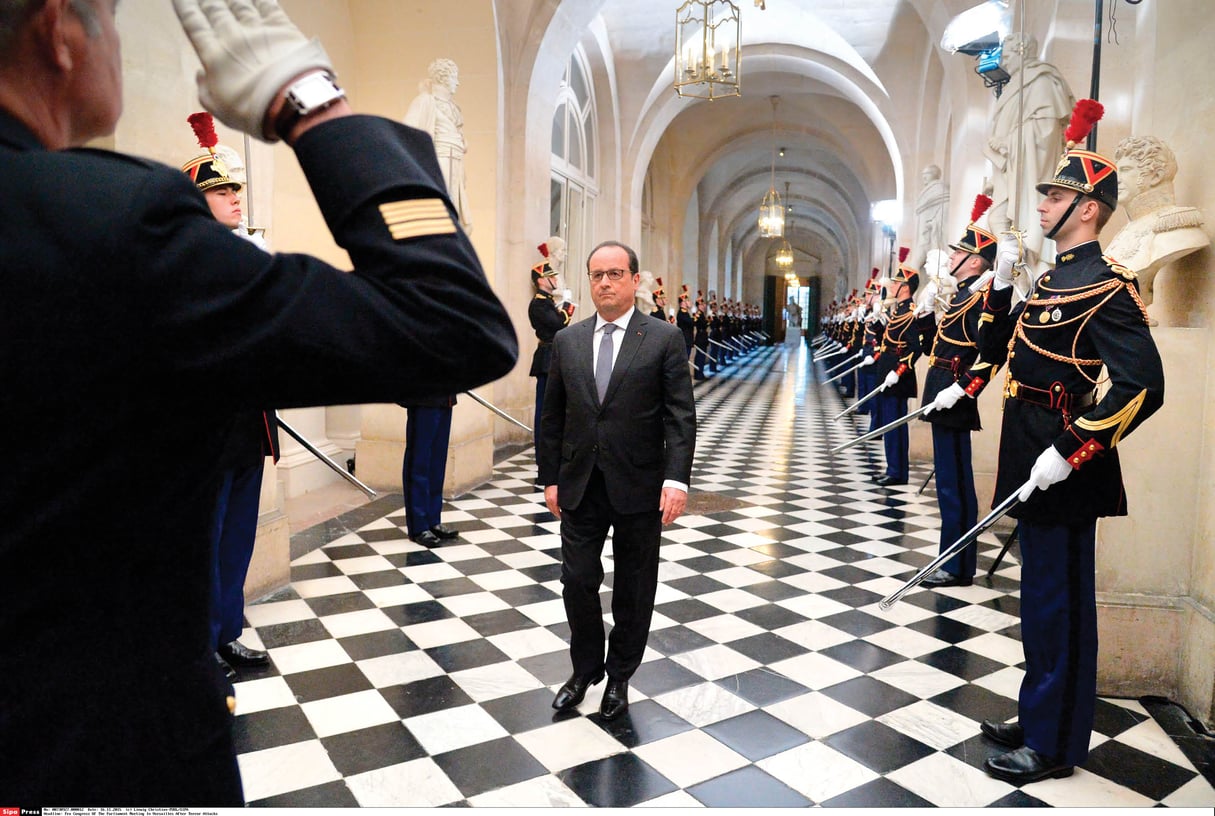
[(708, 61), (771, 210)]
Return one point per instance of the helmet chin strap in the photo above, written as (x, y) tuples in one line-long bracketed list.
[(1071, 208), (954, 271)]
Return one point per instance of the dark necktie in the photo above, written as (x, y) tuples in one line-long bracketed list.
[(603, 368)]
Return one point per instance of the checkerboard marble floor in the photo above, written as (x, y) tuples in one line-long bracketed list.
[(413, 677)]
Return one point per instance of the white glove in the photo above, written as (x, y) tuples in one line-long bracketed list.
[(890, 380), (860, 313), (249, 51), (1050, 469), (947, 398), (947, 285), (868, 360), (1008, 252)]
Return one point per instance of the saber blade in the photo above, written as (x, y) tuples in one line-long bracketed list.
[(966, 540), (334, 466), (889, 426), (498, 410)]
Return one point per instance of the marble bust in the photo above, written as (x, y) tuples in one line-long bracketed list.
[(1159, 231), (930, 208), (435, 111), (644, 296)]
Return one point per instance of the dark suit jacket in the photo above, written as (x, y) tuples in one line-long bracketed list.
[(642, 434)]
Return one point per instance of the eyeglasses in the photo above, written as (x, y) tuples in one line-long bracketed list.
[(612, 274)]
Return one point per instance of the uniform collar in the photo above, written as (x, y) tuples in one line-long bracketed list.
[(1089, 249)]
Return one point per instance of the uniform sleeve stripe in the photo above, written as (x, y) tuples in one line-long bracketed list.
[(417, 218)]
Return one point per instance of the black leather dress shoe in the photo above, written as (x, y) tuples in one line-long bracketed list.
[(228, 671), (1010, 734), (941, 578), (571, 694), (615, 699), (1026, 765), (444, 532), (238, 654), (426, 538), (885, 481)]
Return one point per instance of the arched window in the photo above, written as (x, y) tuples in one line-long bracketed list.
[(575, 158)]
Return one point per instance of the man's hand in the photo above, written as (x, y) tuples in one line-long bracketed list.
[(1008, 252), (890, 380), (672, 502), (250, 50), (868, 361), (1051, 468), (550, 499)]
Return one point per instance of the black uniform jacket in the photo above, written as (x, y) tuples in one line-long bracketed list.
[(956, 345), (546, 320), (133, 327), (701, 325), (1084, 314), (683, 319), (643, 433), (899, 349)]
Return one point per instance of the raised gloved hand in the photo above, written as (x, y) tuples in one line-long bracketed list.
[(890, 380), (947, 285), (868, 361), (1050, 468), (249, 51), (1008, 252), (947, 398)]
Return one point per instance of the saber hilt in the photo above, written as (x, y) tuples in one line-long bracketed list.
[(953, 549), (845, 362)]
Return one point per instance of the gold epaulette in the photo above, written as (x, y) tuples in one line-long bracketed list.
[(1126, 273)]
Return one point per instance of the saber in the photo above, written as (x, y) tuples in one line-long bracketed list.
[(723, 345), (926, 481), (842, 350), (962, 543), (498, 411), (845, 373), (890, 426), (858, 403), (838, 366), (334, 466)]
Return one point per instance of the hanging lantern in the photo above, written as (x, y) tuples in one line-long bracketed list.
[(771, 209), (707, 57)]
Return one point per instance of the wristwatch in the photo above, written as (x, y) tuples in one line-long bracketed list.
[(307, 95)]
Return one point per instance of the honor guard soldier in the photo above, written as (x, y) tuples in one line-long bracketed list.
[(685, 321), (700, 336), (955, 377), (716, 319), (660, 301), (895, 364), (547, 319), (871, 328), (1058, 446), (252, 437)]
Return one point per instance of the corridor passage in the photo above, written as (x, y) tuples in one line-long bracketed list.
[(413, 677)]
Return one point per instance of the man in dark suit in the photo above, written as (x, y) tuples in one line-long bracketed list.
[(136, 326), (616, 441)]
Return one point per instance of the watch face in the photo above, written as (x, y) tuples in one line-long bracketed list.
[(312, 92)]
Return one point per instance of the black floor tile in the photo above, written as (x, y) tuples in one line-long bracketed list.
[(747, 787), (468, 654), (644, 721), (878, 747), (329, 795), (377, 644), (656, 677), (270, 728), (489, 765), (331, 681), (425, 696), (762, 686), (756, 735), (877, 793), (621, 780), (870, 696), (1143, 773), (367, 749), (862, 656)]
